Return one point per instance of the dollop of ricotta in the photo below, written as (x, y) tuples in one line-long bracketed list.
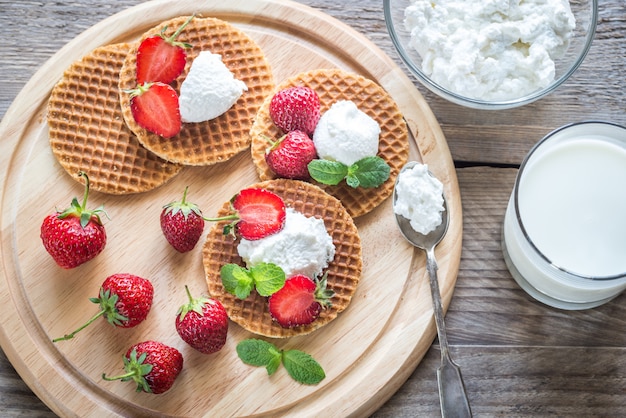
[(303, 246), (209, 89), (346, 134), (419, 198), (490, 49)]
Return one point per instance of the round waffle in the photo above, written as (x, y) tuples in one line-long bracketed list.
[(87, 131), (219, 139), (332, 85), (343, 272)]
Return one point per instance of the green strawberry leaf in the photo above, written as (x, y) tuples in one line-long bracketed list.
[(302, 367), (268, 278), (368, 172), (327, 172), (237, 280)]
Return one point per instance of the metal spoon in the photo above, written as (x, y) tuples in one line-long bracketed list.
[(452, 395)]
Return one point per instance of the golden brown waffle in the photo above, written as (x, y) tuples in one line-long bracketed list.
[(344, 271), (87, 131), (217, 140), (333, 85)]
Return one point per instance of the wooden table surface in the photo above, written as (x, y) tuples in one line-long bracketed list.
[(519, 357)]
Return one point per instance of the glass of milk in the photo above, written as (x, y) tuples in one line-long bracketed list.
[(564, 234)]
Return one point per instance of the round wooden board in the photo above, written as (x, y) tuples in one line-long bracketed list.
[(367, 352)]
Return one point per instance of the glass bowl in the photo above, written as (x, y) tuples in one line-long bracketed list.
[(584, 11)]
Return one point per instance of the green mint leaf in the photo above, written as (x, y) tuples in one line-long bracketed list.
[(327, 172), (368, 172), (268, 278), (236, 280), (351, 179), (255, 352), (302, 367), (274, 363)]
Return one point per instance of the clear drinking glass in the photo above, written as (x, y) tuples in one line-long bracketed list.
[(564, 233)]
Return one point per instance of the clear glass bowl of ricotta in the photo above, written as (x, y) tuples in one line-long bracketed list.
[(492, 54)]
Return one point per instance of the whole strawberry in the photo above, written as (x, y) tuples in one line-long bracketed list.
[(124, 299), (182, 224), (299, 302), (295, 109), (75, 235), (290, 155), (203, 324), (152, 365), (161, 58)]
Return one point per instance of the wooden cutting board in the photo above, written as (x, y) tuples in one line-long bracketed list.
[(367, 352)]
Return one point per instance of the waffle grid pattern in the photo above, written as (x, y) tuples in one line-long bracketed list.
[(87, 131), (344, 271), (217, 140), (331, 86)]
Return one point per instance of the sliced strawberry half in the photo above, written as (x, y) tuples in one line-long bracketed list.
[(161, 58), (261, 213), (299, 302), (155, 108), (257, 214)]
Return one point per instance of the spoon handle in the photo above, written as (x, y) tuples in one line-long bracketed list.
[(452, 395)]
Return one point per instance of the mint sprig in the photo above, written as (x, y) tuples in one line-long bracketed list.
[(266, 278), (302, 367), (367, 172)]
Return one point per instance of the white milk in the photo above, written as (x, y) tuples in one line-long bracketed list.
[(571, 198)]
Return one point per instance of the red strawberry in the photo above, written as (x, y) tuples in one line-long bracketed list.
[(75, 235), (155, 108), (295, 109), (203, 324), (182, 224), (125, 301), (257, 214), (153, 366), (299, 301), (161, 59), (290, 155)]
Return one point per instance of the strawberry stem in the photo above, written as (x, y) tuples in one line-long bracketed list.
[(194, 304), (107, 301), (135, 369), (184, 200), (86, 192), (179, 30), (85, 325), (81, 211), (231, 217), (183, 206), (171, 39)]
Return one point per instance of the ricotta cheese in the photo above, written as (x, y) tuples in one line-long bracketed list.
[(303, 246), (490, 49), (419, 198), (209, 89), (346, 134)]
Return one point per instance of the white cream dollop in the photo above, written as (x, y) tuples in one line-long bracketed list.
[(419, 198), (490, 49), (209, 89), (346, 134), (303, 246)]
